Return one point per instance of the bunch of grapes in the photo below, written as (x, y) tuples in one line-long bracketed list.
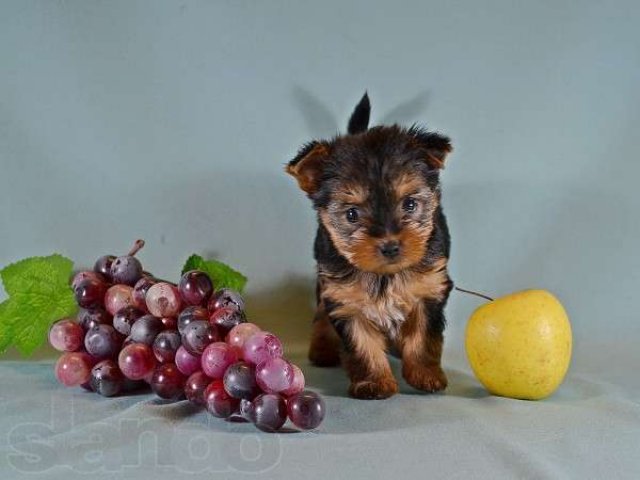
[(186, 340)]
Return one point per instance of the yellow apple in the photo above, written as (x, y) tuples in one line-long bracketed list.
[(519, 345)]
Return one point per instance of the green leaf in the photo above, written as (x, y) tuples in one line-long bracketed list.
[(222, 275), (39, 293)]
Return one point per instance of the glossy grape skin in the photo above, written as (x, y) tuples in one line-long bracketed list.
[(260, 347), (169, 323), (198, 335), (191, 314), (124, 319), (74, 368), (306, 409), (168, 382), (89, 293), (297, 384), (102, 342), (186, 362), (226, 298), (126, 269), (166, 345), (140, 290), (103, 266), (239, 334), (195, 287), (269, 412), (240, 381), (163, 300), (136, 361), (274, 375), (216, 358), (106, 378), (218, 402), (195, 386), (80, 276), (89, 318), (118, 297), (146, 329), (245, 410), (66, 335), (226, 319)]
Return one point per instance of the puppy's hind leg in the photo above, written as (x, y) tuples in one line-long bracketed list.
[(325, 347)]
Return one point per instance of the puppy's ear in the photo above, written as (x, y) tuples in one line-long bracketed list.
[(308, 165), (434, 147)]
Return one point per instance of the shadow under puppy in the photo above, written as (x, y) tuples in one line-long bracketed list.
[(381, 248)]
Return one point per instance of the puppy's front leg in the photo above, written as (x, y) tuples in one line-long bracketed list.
[(365, 359)]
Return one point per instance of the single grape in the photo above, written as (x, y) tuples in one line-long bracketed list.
[(195, 287), (218, 402), (93, 317), (226, 319), (297, 385), (66, 335), (102, 342), (274, 375), (195, 386), (226, 298), (240, 381), (169, 323), (198, 335), (136, 361), (90, 292), (216, 358), (260, 347), (126, 270), (306, 409), (163, 300), (118, 297), (167, 382), (239, 334), (103, 266), (269, 412), (106, 378), (146, 329), (245, 410), (187, 363), (74, 368), (80, 276), (191, 314), (140, 290), (124, 319), (166, 345)]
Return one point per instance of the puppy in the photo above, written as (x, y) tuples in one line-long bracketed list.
[(381, 248)]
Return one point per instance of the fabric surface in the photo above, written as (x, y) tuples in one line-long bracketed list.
[(590, 429)]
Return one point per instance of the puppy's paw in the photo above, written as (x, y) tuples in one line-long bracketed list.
[(429, 378), (374, 390)]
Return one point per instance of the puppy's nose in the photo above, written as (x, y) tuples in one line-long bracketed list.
[(390, 249)]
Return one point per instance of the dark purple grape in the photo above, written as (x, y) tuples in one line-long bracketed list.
[(195, 386), (226, 318), (89, 293), (306, 409), (140, 290), (126, 270), (199, 335), (218, 402), (106, 378), (166, 345), (145, 329), (191, 314), (103, 266), (226, 298), (124, 319), (269, 412), (167, 382), (80, 276), (240, 381), (195, 287), (89, 318), (102, 342)]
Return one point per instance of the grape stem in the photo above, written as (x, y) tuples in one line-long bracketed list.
[(136, 247), (474, 293)]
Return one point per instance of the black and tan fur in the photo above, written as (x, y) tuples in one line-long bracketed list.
[(382, 271)]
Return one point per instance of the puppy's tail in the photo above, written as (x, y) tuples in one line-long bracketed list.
[(359, 121)]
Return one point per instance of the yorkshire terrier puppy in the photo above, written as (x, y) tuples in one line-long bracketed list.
[(381, 248)]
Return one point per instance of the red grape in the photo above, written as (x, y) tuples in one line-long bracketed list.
[(66, 335), (93, 317), (274, 375), (80, 276), (90, 292), (167, 382), (136, 361), (140, 290), (261, 346), (239, 334), (187, 363), (297, 385), (226, 319), (74, 368), (306, 409), (195, 386), (118, 297), (195, 287), (163, 300), (216, 358), (218, 402)]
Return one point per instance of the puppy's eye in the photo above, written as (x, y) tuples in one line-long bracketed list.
[(352, 215), (409, 204)]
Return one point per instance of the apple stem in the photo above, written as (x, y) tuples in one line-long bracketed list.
[(136, 247), (474, 293)]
